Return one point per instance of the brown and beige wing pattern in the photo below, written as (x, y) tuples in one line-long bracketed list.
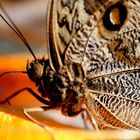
[(108, 48)]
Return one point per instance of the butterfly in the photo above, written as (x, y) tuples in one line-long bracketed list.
[(94, 60)]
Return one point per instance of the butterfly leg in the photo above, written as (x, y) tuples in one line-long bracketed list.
[(35, 109), (27, 112), (30, 91), (84, 120), (91, 119)]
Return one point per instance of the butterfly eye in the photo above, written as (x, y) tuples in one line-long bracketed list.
[(115, 17)]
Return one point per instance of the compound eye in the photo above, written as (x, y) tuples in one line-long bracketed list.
[(115, 17), (34, 70)]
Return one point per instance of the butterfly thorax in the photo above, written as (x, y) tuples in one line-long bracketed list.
[(63, 88)]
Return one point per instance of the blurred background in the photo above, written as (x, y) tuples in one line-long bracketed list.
[(29, 16)]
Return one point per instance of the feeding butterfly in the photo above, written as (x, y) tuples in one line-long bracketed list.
[(93, 49)]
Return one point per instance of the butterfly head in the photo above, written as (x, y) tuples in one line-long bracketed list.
[(35, 69)]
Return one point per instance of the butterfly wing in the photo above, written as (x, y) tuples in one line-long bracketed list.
[(64, 19), (71, 16), (53, 43), (94, 34), (116, 98), (111, 62)]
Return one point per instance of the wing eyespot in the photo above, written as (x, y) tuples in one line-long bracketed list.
[(115, 17)]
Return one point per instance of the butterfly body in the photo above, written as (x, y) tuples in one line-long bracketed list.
[(58, 88)]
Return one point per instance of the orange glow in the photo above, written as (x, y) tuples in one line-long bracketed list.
[(12, 82), (14, 128)]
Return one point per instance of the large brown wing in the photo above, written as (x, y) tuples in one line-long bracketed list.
[(116, 98), (111, 62), (64, 19), (95, 34), (72, 15)]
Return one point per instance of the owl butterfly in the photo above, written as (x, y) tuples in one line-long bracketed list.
[(94, 61)]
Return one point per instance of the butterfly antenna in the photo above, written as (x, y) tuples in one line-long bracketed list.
[(13, 26)]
